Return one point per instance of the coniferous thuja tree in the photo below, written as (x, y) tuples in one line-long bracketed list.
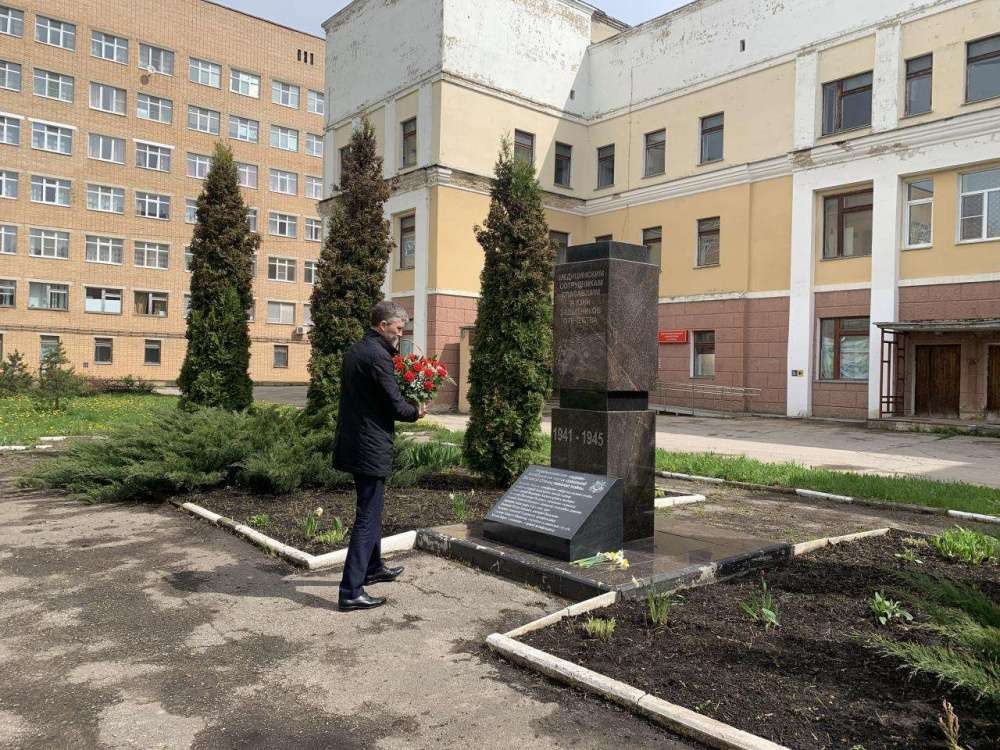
[(351, 267), (214, 372), (511, 371)]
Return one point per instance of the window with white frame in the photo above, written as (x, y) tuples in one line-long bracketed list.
[(48, 243), (106, 198), (51, 190), (286, 139), (10, 130), (314, 145), (156, 108), (280, 359), (407, 241), (54, 32), (102, 300), (152, 255), (314, 187), (280, 269), (244, 129), (316, 102), (245, 84), (309, 271), (107, 98), (203, 120), (285, 94), (703, 354), (11, 21), (314, 230), (980, 205), (10, 75), (47, 345), (106, 148), (197, 165), (8, 239), (109, 47), (284, 182), (8, 292), (188, 259), (152, 205), (253, 265), (54, 138), (190, 210), (8, 184), (282, 313), (206, 73), (919, 212), (43, 295), (408, 142), (282, 225), (156, 58), (152, 351), (247, 175), (153, 304), (53, 85), (103, 351), (252, 219), (107, 250), (152, 156), (307, 316)]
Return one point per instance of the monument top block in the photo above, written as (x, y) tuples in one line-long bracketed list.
[(604, 250)]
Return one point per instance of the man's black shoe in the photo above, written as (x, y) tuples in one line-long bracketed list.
[(384, 576), (362, 601)]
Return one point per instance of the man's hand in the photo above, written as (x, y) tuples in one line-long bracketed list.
[(421, 410)]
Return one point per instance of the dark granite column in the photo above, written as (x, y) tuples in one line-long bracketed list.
[(605, 366)]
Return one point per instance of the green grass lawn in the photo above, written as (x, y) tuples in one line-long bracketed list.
[(22, 424)]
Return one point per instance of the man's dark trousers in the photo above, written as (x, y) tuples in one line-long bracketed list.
[(364, 553)]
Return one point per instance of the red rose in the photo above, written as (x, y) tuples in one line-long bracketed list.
[(442, 372), (411, 357), (428, 373), (410, 377), (428, 386)]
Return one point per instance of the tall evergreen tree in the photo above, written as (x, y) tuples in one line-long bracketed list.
[(511, 371), (351, 267), (214, 372)]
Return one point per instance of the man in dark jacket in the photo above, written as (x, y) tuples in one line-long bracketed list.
[(370, 406)]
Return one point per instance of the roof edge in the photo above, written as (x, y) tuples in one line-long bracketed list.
[(265, 20)]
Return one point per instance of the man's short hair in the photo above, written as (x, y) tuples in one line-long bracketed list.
[(388, 310)]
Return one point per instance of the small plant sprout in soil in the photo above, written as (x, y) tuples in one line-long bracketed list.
[(658, 607), (886, 610), (761, 608), (909, 555), (948, 722), (259, 521), (460, 504), (600, 627), (334, 535), (310, 524), (967, 546)]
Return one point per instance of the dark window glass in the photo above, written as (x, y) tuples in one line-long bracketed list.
[(711, 137), (653, 239), (280, 355), (847, 103), (560, 241), (564, 163), (982, 70), (606, 166), (103, 351), (708, 241), (843, 350), (410, 142), (918, 84), (847, 225), (604, 238), (524, 146), (407, 241), (703, 361), (345, 152), (656, 153), (152, 352)]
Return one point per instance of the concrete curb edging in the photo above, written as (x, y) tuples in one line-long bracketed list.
[(795, 491), (803, 548), (670, 502), (601, 600), (395, 543)]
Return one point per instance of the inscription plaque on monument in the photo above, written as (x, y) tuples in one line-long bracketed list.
[(564, 514)]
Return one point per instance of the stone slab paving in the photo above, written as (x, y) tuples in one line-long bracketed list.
[(139, 627)]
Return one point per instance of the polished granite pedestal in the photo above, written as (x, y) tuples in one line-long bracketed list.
[(676, 555)]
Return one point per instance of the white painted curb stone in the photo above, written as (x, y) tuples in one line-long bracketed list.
[(825, 495), (13, 447), (601, 600), (815, 544), (670, 502), (974, 516)]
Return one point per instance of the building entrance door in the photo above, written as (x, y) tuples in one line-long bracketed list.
[(993, 381), (938, 380)]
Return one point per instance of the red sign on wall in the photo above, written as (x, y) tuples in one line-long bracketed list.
[(673, 337)]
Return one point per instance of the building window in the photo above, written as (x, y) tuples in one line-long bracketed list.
[(107, 98), (314, 145), (103, 351), (247, 175), (106, 148), (656, 153), (203, 120), (244, 84), (524, 146), (712, 131), (281, 355), (847, 225), (57, 33), (407, 241), (153, 304), (316, 103), (187, 307), (409, 143), (156, 59), (307, 316), (282, 313), (50, 190), (244, 129), (314, 230), (8, 184), (11, 21), (345, 153), (100, 300), (106, 199), (919, 212), (709, 235), (152, 206), (604, 238), (152, 255), (48, 243), (280, 269), (982, 69), (109, 47), (110, 250), (151, 156), (151, 352), (197, 165), (564, 164), (560, 241), (919, 72), (8, 239), (154, 108), (287, 139), (52, 138), (653, 239), (204, 72), (281, 181), (703, 354), (980, 205), (285, 94), (309, 272), (188, 259), (190, 210), (48, 345), (45, 296), (10, 130), (847, 103), (606, 166), (843, 351), (314, 187), (8, 293), (282, 225), (10, 75), (53, 85), (252, 219)]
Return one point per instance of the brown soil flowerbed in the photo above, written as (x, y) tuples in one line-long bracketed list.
[(406, 508), (811, 683)]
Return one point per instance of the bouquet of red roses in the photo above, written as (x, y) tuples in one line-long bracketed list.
[(419, 377)]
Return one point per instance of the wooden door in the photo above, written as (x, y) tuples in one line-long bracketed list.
[(993, 380), (938, 380)]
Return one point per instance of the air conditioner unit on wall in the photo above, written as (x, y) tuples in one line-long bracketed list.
[(300, 330)]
